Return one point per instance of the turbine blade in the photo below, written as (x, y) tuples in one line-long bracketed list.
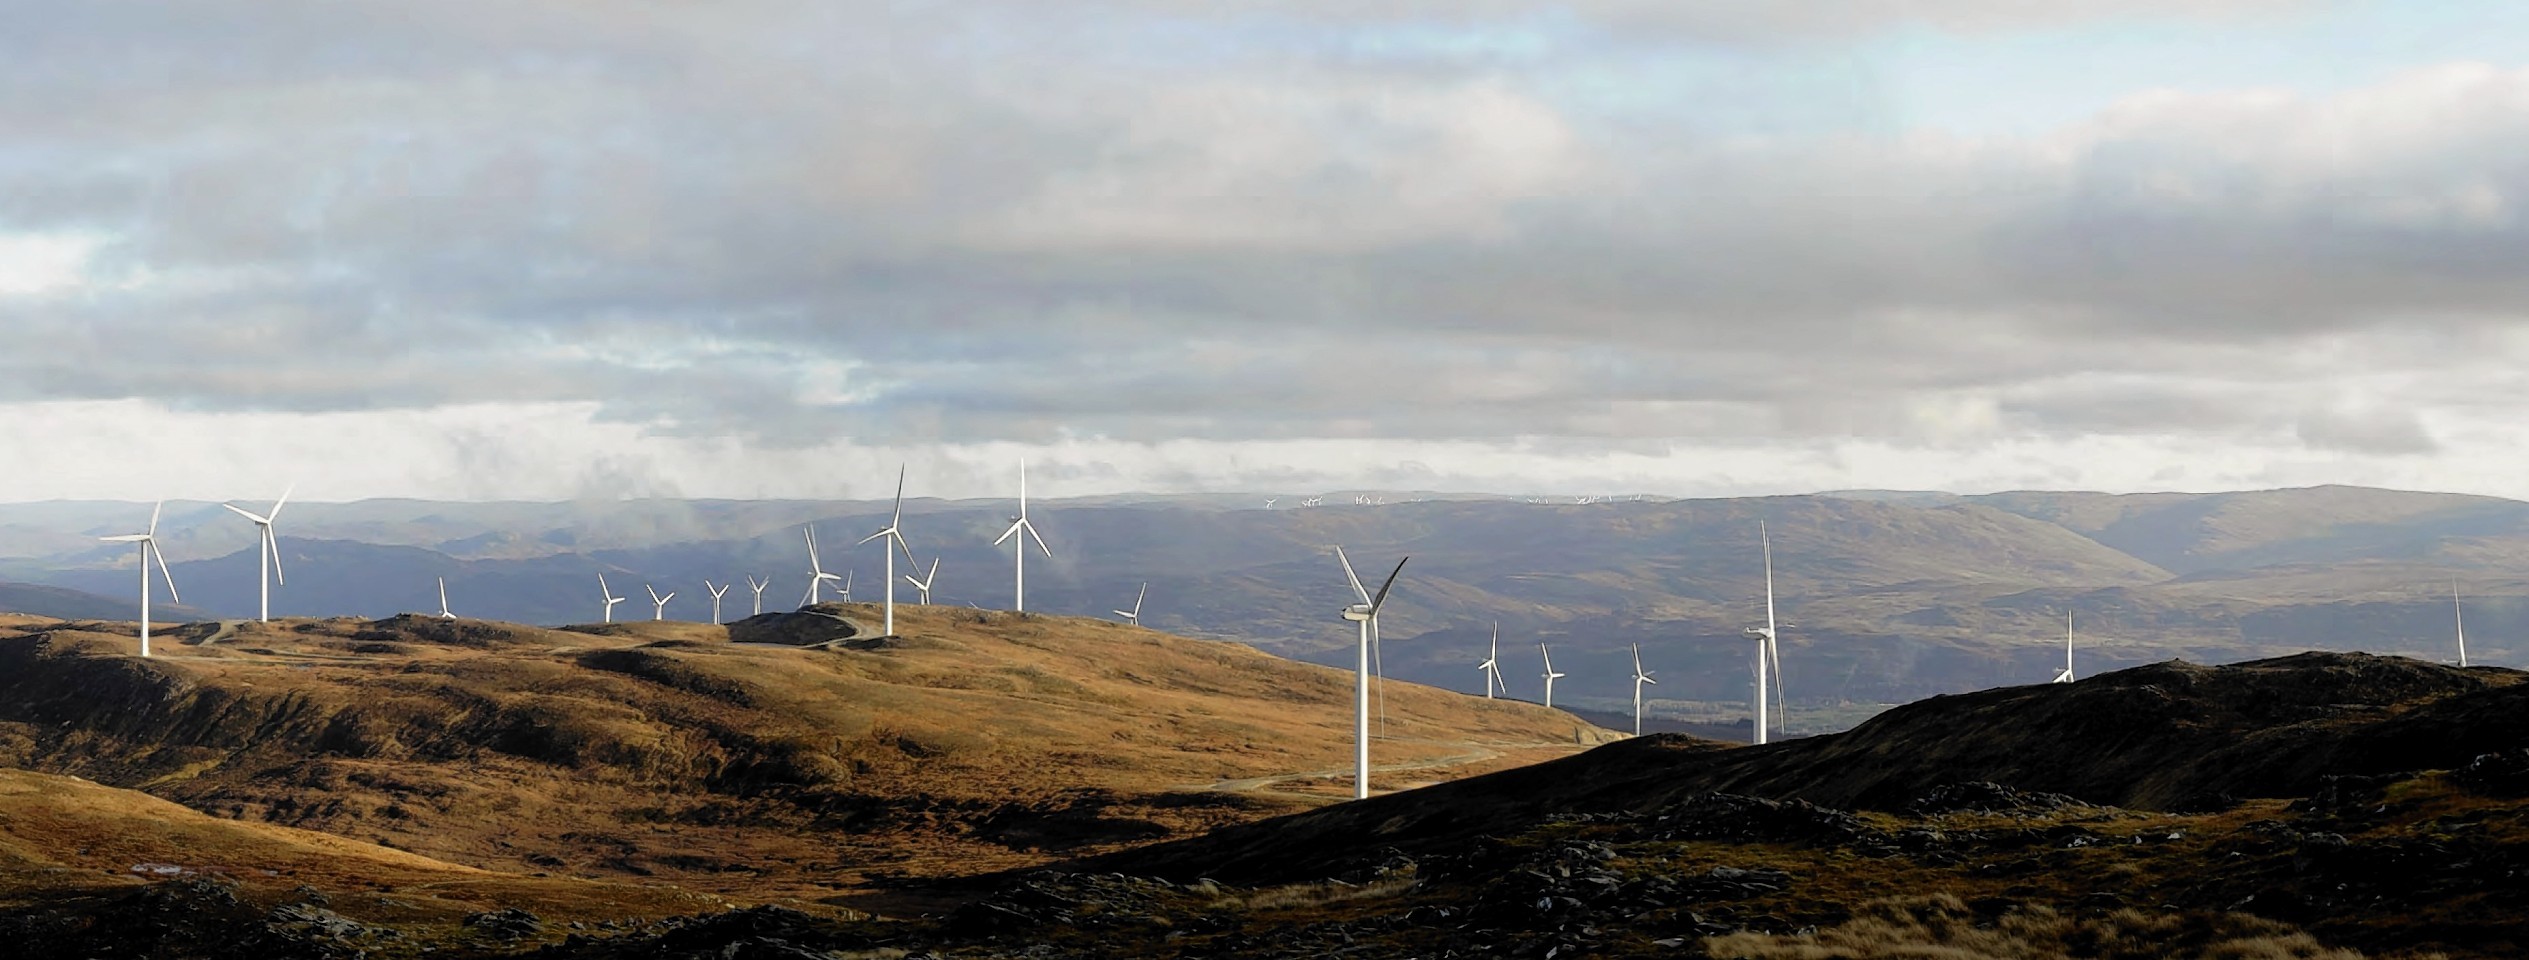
[(127, 538), (1357, 588), (153, 517), (1768, 541), (1381, 599), (898, 518), (163, 572), (273, 543), (277, 504), (233, 508), (877, 535), (1006, 534), (1040, 539)]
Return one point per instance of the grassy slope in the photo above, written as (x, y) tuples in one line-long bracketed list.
[(663, 750)]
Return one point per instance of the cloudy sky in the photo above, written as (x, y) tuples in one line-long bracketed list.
[(505, 249)]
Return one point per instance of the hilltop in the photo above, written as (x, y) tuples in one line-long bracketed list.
[(2324, 807), (665, 750)]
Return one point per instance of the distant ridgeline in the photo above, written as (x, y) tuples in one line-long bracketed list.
[(1889, 597)]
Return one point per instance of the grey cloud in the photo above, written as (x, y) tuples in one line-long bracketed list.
[(2367, 431), (798, 222)]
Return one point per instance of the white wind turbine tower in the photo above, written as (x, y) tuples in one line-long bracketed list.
[(443, 600), (1550, 675), (2457, 621), (1640, 677), (1020, 528), (758, 586), (1766, 648), (1134, 615), (149, 553), (816, 573), (611, 599), (658, 603), (2066, 675), (1365, 613), (716, 593), (894, 534), (271, 550), (1492, 664), (923, 586)]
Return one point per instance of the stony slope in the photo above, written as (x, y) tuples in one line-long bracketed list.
[(2168, 737)]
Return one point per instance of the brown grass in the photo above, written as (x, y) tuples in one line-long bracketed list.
[(1941, 927), (660, 751)]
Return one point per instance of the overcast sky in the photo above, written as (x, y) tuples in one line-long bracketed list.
[(506, 249)]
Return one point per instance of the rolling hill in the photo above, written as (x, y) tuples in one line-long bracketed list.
[(65, 604), (1893, 597), (805, 757)]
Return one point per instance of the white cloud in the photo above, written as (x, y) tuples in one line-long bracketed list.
[(33, 265)]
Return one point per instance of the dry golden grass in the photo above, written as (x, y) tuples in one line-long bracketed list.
[(1941, 927), (62, 836), (976, 741)]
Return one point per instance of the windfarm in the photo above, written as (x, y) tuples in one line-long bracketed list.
[(1927, 480)]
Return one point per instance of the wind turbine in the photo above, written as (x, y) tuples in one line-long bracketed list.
[(1020, 528), (1766, 648), (816, 572), (658, 603), (2066, 675), (1492, 664), (1269, 502), (1135, 615), (2460, 623), (1365, 613), (1549, 673), (611, 599), (1640, 677), (716, 593), (758, 586), (149, 552), (894, 534), (443, 600), (271, 550), (923, 586)]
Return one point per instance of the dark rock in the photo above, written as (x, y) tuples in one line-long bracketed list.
[(1982, 796), (2503, 774), (506, 924)]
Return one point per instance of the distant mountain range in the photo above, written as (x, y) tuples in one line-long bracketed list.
[(1892, 596)]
